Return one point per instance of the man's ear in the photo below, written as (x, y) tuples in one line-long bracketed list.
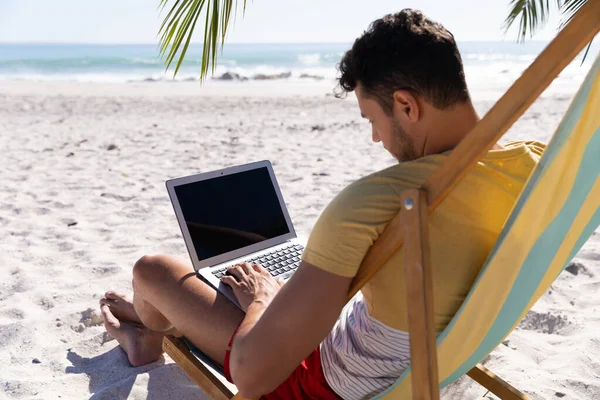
[(406, 107)]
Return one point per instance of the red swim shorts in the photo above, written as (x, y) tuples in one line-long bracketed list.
[(306, 382)]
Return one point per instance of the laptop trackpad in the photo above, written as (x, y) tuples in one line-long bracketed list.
[(227, 291), (224, 289)]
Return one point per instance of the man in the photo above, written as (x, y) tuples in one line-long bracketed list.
[(298, 340)]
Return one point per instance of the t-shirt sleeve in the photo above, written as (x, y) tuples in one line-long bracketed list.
[(350, 224)]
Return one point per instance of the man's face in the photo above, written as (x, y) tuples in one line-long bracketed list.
[(386, 128)]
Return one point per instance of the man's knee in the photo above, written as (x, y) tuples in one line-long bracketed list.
[(151, 268)]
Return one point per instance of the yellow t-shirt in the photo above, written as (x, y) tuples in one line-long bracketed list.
[(463, 229)]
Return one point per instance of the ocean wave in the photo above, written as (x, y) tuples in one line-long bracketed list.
[(148, 61), (484, 62), (490, 57), (77, 62), (309, 59), (222, 73)]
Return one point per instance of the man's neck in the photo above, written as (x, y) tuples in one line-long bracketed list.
[(449, 127)]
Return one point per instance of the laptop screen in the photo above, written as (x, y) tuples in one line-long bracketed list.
[(229, 212)]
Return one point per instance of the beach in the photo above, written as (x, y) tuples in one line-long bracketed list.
[(84, 166)]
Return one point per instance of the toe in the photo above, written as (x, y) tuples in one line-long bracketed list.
[(108, 302), (109, 318), (114, 295)]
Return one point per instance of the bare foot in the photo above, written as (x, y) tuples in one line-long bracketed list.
[(121, 306), (142, 345)]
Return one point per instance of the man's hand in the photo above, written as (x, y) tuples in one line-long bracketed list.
[(302, 313), (252, 284)]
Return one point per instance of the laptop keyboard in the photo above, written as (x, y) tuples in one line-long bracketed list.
[(278, 262)]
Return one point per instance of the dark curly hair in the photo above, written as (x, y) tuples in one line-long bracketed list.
[(406, 51)]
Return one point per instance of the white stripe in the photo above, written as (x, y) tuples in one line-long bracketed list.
[(362, 356)]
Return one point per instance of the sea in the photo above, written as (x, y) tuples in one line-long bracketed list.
[(486, 63)]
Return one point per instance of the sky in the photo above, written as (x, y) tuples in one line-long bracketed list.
[(265, 21)]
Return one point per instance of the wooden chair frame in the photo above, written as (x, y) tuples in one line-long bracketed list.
[(410, 225)]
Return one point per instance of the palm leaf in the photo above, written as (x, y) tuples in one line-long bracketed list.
[(569, 8), (189, 36), (182, 29), (180, 22), (532, 14), (169, 25)]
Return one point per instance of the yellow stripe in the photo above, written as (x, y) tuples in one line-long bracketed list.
[(588, 209), (586, 127), (546, 200)]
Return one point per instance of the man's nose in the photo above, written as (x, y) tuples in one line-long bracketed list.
[(376, 137)]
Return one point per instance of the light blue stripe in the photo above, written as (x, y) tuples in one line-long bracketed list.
[(564, 130), (539, 258), (587, 232), (570, 120), (463, 369)]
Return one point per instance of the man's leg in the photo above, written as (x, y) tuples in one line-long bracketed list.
[(168, 297)]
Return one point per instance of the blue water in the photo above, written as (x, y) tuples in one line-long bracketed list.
[(125, 63)]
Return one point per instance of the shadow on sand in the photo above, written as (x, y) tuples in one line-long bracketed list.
[(111, 377)]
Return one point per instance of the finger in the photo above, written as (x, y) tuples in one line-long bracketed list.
[(229, 280), (247, 268), (258, 268), (281, 282), (235, 271), (244, 268)]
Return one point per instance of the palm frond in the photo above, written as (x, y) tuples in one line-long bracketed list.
[(180, 22), (587, 50), (532, 14), (569, 8)]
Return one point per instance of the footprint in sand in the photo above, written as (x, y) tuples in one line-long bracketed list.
[(12, 313), (544, 323), (117, 197), (66, 246), (105, 270), (45, 303), (79, 254), (59, 205), (16, 332), (89, 318), (12, 208), (577, 268), (43, 211), (21, 285)]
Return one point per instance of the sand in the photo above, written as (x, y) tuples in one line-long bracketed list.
[(83, 198)]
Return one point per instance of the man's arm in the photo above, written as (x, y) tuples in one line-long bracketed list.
[(275, 338)]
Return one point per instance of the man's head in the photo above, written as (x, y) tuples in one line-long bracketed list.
[(406, 70)]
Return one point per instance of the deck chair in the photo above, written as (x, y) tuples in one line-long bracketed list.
[(557, 211)]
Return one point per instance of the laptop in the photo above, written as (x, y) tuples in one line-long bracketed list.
[(235, 215)]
